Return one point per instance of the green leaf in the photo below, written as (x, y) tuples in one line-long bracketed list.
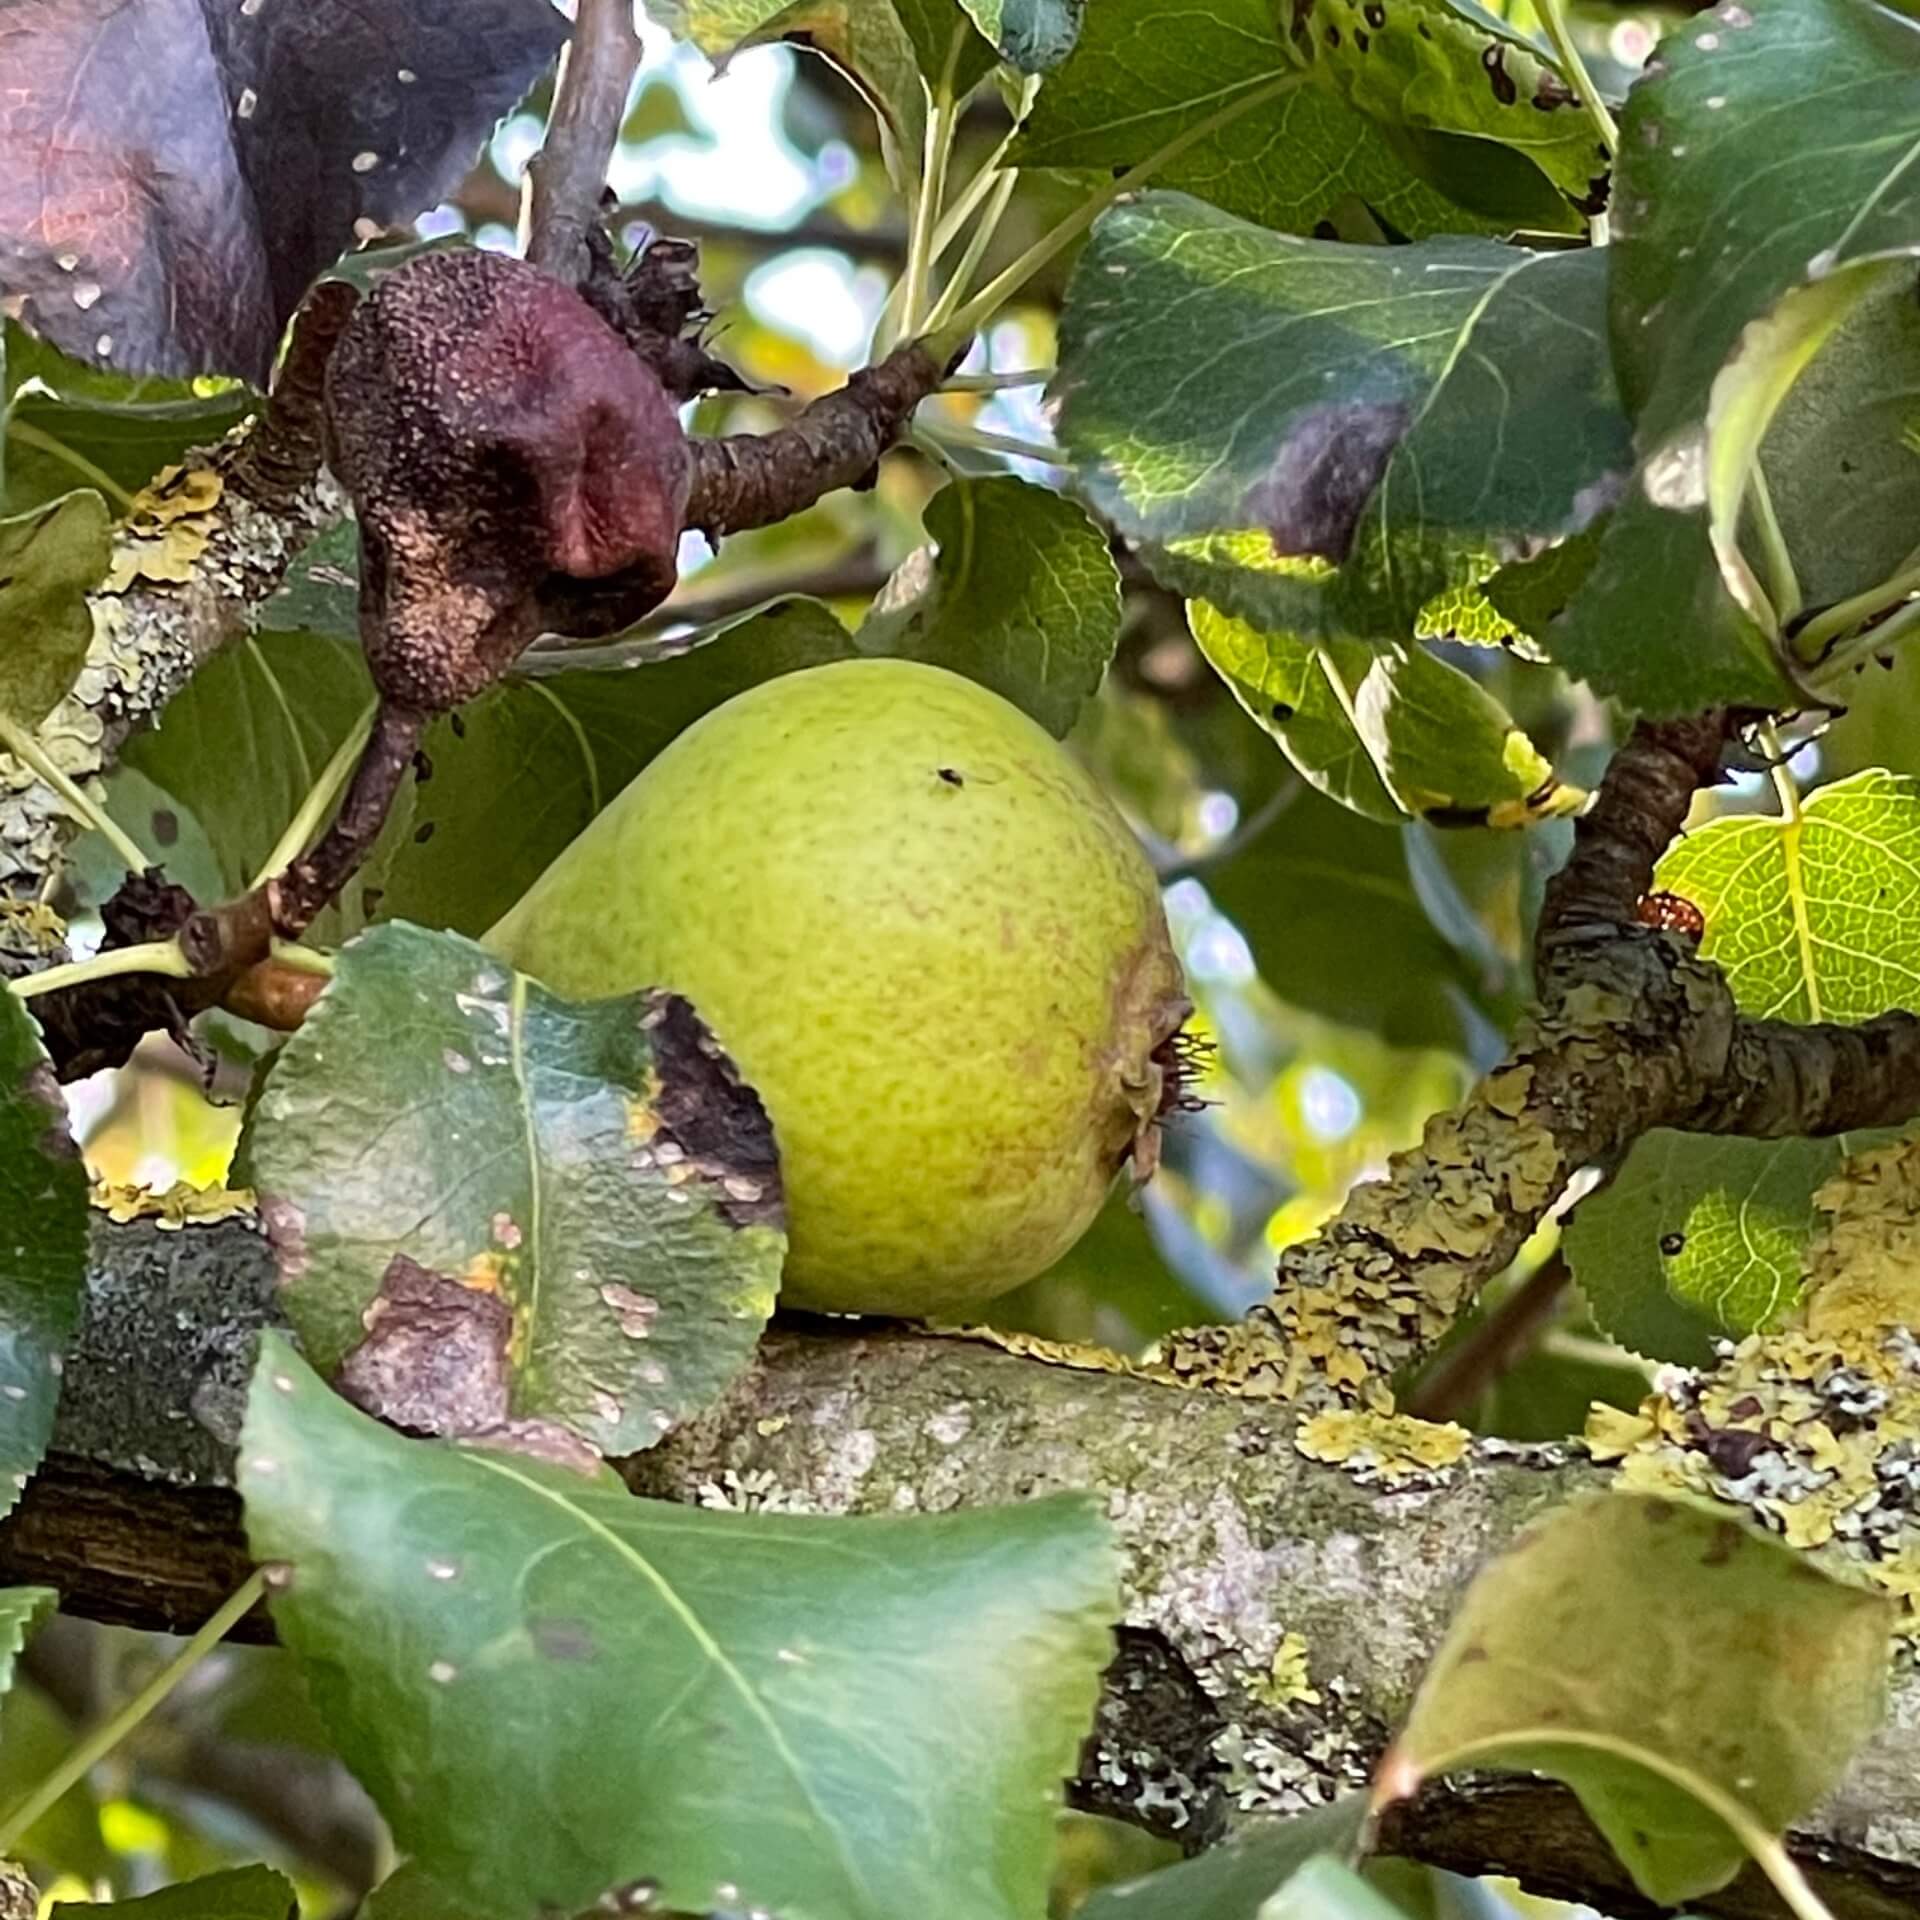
[(1697, 1239), (593, 1196), (1234, 1879), (931, 26), (1329, 1889), (1483, 107), (51, 557), (1139, 79), (1839, 454), (1411, 412), (410, 1895), (245, 1893), (553, 1689), (64, 424), (1814, 919), (1653, 624), (1709, 228), (1302, 693), (43, 1257), (21, 1610), (1699, 1685), (1019, 591), (1386, 734)]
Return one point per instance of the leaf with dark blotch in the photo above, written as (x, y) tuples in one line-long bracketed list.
[(43, 1246), (490, 1205), (1477, 107), (1139, 78), (64, 424), (1236, 1878), (553, 1689), (173, 176), (1020, 592), (1253, 406), (21, 1610), (1697, 1684), (244, 1893), (50, 559)]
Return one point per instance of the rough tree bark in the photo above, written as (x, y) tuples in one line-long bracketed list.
[(1234, 1544)]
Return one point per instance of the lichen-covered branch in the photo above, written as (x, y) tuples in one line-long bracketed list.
[(1634, 1031), (1278, 1613), (205, 544)]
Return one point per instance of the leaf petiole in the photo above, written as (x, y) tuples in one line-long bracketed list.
[(88, 1753), (326, 790), (933, 187), (1002, 288), (149, 956), (1575, 69)]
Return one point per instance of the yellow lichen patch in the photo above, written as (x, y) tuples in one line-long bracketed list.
[(1054, 1353), (1507, 1088), (1287, 1682), (179, 1206), (31, 926), (1386, 1446), (167, 528), (1814, 1429)]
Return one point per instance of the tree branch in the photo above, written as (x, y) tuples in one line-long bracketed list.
[(1232, 1539), (1634, 1031), (566, 177)]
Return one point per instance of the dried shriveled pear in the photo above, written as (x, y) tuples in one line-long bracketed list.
[(515, 465), (931, 945)]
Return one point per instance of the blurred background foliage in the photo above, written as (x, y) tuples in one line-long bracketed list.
[(1351, 977)]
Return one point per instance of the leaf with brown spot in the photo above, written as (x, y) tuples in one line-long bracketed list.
[(1699, 1685), (443, 1127), (43, 1246), (173, 175), (552, 1688)]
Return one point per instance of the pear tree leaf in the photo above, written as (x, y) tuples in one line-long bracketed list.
[(1384, 425), (1814, 919), (243, 1893), (1302, 693), (1709, 229), (1698, 1684), (1450, 750), (1484, 108), (21, 1610), (1019, 592), (1326, 1888), (932, 25), (65, 424), (51, 557), (1698, 1239), (43, 1247), (553, 1689), (1235, 1879), (1139, 79), (1811, 919), (491, 1204), (1842, 468)]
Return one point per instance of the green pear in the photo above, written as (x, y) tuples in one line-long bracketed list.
[(929, 943)]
